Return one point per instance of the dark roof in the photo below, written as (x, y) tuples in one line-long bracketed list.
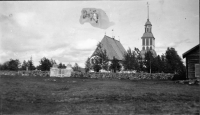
[(189, 51), (148, 22), (147, 35), (113, 48)]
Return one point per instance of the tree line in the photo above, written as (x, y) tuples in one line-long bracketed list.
[(44, 65), (169, 62)]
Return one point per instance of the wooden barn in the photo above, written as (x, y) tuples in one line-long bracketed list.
[(192, 63)]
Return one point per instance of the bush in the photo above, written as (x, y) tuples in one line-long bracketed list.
[(179, 77)]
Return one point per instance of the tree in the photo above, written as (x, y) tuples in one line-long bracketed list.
[(76, 67), (148, 61), (4, 66), (174, 60), (45, 64), (96, 64), (115, 65), (101, 59), (159, 64), (130, 61), (61, 66), (175, 63), (53, 62), (165, 65), (30, 65), (1, 65), (154, 64), (13, 64), (87, 65), (139, 64), (104, 60), (24, 65)]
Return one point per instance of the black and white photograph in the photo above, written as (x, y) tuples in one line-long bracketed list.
[(99, 57)]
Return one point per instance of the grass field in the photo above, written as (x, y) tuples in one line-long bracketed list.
[(37, 95)]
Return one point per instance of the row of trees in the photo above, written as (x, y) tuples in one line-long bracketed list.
[(44, 65), (169, 62), (12, 65)]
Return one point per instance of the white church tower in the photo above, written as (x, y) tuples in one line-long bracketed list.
[(148, 40)]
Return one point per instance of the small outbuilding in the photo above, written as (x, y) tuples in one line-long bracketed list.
[(56, 72), (192, 63)]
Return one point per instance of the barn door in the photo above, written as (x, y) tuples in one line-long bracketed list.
[(197, 72)]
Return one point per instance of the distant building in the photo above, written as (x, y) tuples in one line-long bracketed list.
[(148, 40), (192, 62), (113, 48)]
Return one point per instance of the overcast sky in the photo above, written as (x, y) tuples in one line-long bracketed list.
[(52, 29)]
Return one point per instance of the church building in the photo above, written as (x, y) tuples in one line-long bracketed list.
[(148, 40), (113, 48)]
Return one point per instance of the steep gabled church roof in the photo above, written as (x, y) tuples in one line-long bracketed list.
[(113, 48)]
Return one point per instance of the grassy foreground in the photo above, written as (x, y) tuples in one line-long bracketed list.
[(37, 95)]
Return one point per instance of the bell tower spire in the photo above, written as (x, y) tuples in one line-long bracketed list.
[(148, 40), (147, 11)]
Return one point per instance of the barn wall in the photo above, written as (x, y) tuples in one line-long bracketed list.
[(193, 58)]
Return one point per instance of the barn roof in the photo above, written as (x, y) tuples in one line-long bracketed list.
[(113, 48), (190, 50)]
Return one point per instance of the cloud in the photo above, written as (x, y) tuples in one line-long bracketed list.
[(3, 18), (52, 30), (161, 2), (161, 47), (88, 44), (24, 18), (171, 44), (177, 43)]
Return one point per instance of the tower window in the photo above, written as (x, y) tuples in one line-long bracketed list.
[(143, 41), (147, 41), (150, 41)]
